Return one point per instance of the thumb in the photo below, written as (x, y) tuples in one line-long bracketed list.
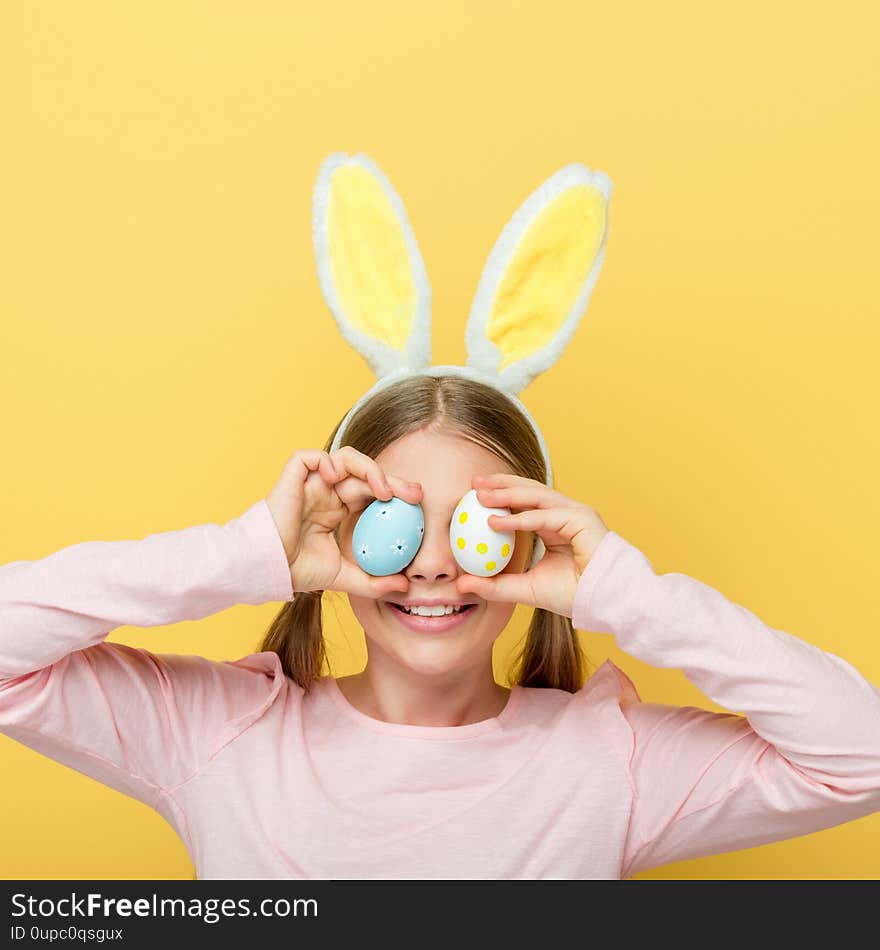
[(471, 584), (392, 584), (507, 588)]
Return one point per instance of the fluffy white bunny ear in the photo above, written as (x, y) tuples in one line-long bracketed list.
[(369, 265), (538, 278)]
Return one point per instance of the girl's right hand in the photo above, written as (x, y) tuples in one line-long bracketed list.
[(316, 492)]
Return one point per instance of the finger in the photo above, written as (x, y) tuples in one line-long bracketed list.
[(305, 461), (524, 494), (353, 492), (508, 588), (393, 484), (408, 491), (356, 494), (353, 463), (318, 464), (353, 580), (563, 522), (327, 469)]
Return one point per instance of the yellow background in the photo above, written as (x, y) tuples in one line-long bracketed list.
[(165, 346)]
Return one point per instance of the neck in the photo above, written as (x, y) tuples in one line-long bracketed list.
[(390, 694)]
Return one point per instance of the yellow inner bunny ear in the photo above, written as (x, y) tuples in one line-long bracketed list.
[(547, 272), (368, 257)]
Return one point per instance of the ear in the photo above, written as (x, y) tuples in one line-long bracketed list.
[(538, 278), (369, 265)]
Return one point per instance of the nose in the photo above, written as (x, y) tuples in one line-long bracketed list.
[(434, 560)]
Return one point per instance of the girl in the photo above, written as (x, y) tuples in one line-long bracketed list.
[(422, 766)]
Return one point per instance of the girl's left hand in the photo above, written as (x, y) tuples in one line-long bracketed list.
[(571, 532)]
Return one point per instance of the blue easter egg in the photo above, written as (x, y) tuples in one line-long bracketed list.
[(387, 536)]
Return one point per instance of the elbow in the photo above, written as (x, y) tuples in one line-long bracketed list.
[(858, 779)]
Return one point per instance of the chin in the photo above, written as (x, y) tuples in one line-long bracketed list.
[(424, 653), (432, 667), (431, 657)]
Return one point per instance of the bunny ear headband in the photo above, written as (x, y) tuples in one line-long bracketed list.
[(532, 294)]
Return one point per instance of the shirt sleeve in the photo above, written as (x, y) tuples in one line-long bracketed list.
[(799, 751), (136, 721)]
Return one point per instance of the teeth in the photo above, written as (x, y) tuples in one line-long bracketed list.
[(437, 611)]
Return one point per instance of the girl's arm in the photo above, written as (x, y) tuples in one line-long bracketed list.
[(136, 721), (803, 755)]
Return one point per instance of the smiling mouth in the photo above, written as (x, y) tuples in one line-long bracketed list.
[(461, 610), (442, 623)]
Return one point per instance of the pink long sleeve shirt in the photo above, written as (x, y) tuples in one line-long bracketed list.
[(263, 781)]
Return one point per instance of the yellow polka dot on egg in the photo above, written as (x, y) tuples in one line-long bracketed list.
[(505, 550), (462, 517), (482, 548), (460, 543), (490, 565)]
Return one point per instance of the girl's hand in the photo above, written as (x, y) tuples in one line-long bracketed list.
[(571, 532), (316, 492)]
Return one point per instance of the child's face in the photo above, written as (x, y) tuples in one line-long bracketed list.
[(444, 465)]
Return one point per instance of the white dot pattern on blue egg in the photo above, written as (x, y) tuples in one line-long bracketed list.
[(478, 548), (387, 536)]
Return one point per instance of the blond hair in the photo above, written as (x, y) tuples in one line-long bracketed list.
[(551, 655)]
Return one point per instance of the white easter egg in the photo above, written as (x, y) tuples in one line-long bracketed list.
[(478, 548)]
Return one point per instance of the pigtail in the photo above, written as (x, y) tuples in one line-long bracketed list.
[(296, 635), (552, 655)]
